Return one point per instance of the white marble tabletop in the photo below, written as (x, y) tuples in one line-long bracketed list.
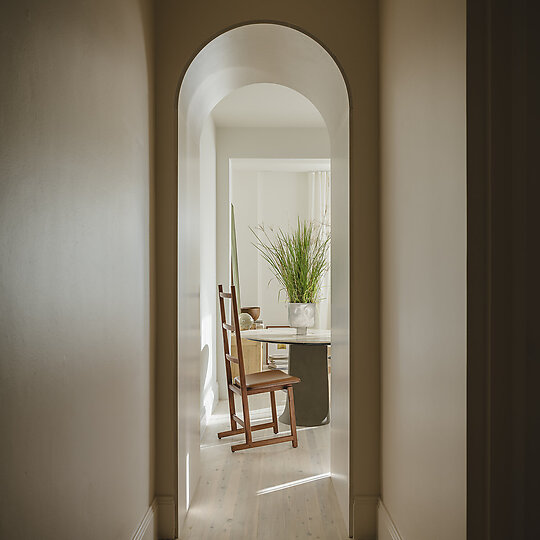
[(288, 336)]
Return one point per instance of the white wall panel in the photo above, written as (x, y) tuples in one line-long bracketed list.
[(208, 302)]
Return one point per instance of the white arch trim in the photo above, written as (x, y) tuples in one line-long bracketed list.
[(259, 53)]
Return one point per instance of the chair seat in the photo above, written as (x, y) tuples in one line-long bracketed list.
[(262, 379)]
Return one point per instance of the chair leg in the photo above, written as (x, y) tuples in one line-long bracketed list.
[(274, 411), (247, 423), (292, 416), (232, 410), (250, 443)]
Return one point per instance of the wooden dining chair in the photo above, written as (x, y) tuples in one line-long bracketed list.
[(249, 384)]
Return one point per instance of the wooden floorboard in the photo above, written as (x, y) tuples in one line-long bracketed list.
[(227, 505)]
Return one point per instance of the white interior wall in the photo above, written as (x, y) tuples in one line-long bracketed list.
[(248, 55), (208, 302), (283, 197), (275, 199), (244, 194)]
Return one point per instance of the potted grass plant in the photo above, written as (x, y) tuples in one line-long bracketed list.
[(299, 260)]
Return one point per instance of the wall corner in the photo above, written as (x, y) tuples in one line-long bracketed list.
[(365, 517), (386, 528), (166, 512)]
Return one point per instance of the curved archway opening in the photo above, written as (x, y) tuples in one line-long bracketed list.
[(251, 54)]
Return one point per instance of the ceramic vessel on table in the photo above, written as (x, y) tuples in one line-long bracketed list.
[(301, 317), (254, 311)]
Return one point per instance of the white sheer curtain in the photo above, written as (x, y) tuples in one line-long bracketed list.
[(320, 213)]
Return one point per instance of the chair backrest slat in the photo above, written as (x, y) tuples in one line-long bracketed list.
[(232, 328)]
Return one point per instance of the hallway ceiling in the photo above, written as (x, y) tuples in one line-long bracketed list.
[(266, 105)]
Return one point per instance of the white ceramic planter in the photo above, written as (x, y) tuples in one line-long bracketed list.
[(301, 317)]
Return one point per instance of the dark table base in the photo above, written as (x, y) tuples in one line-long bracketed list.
[(310, 364)]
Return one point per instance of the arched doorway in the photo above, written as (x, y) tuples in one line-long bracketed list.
[(251, 54)]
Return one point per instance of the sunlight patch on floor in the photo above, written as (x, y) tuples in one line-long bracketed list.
[(288, 485)]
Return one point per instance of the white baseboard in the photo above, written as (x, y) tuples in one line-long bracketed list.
[(387, 529), (147, 528), (166, 510)]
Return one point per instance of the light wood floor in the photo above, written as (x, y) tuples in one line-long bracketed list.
[(244, 496)]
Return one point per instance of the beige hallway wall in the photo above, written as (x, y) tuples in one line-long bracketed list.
[(423, 283), (76, 383)]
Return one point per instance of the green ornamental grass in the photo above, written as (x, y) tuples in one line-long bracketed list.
[(298, 259)]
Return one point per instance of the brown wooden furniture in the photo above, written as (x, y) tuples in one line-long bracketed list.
[(252, 352), (253, 383)]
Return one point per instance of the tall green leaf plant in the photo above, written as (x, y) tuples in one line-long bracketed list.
[(298, 258)]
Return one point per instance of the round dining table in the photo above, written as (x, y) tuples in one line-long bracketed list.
[(308, 360)]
